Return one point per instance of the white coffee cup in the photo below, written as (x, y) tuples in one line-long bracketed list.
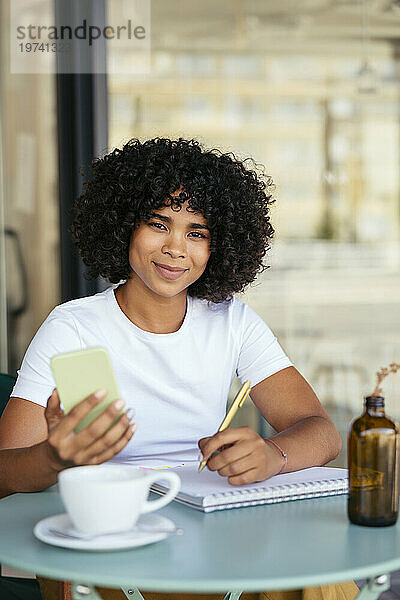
[(110, 498)]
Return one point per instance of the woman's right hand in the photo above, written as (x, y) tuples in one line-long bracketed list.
[(91, 446)]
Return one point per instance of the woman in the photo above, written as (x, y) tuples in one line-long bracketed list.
[(184, 229)]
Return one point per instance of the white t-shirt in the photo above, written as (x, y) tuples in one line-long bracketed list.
[(177, 383)]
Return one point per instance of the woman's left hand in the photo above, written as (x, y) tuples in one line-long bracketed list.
[(244, 457)]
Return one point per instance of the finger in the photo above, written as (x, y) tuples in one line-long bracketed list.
[(53, 410), (53, 401), (244, 478), (71, 420), (96, 429), (203, 441), (228, 436), (115, 449), (74, 446), (106, 441), (230, 455), (238, 467), (226, 446)]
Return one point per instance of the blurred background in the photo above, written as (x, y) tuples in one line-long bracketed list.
[(308, 88)]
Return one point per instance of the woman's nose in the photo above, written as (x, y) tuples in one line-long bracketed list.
[(175, 246)]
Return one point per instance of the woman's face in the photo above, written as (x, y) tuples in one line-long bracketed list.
[(170, 251)]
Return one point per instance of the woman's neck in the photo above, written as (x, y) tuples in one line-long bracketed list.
[(150, 311)]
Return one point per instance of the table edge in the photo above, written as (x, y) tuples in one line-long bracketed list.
[(221, 585)]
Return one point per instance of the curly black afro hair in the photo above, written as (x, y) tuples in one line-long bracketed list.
[(125, 186)]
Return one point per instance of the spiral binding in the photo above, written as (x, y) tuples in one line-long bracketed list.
[(273, 494)]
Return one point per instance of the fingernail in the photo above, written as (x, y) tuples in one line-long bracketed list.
[(130, 413), (118, 404), (100, 393), (132, 428)]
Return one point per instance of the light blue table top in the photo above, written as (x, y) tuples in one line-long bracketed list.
[(279, 546)]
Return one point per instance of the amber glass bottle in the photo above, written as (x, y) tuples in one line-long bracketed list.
[(373, 469)]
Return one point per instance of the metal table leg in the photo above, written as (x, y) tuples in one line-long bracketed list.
[(81, 591), (132, 593), (374, 587), (371, 590), (88, 592)]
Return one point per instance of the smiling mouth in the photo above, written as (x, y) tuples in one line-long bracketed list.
[(171, 273)]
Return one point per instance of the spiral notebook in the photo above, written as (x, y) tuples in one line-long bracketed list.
[(208, 491)]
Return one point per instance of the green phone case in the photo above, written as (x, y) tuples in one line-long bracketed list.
[(79, 374)]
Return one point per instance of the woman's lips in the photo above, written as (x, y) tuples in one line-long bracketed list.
[(167, 273)]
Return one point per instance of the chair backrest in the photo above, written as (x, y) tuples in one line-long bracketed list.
[(6, 385), (16, 588)]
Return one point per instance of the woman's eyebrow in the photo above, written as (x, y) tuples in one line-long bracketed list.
[(168, 220)]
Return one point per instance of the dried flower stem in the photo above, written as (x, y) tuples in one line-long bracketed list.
[(381, 374)]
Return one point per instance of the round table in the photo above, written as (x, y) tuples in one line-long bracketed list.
[(280, 546)]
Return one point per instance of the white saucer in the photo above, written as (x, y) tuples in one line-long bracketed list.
[(115, 541)]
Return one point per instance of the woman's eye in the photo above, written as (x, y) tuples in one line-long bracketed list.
[(198, 235), (157, 225), (161, 226)]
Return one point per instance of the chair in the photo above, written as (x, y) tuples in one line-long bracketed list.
[(6, 386), (15, 588)]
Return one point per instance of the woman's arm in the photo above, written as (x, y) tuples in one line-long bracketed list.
[(305, 433), (23, 457), (36, 443)]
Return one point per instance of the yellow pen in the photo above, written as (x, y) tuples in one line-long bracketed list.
[(236, 404)]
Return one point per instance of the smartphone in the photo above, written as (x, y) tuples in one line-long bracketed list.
[(79, 374)]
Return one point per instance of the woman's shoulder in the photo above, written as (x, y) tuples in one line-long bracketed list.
[(235, 316), (66, 320), (86, 304), (231, 309)]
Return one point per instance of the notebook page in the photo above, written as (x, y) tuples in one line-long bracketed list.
[(209, 483)]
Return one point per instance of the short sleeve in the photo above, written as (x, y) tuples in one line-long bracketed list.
[(57, 334), (260, 352)]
